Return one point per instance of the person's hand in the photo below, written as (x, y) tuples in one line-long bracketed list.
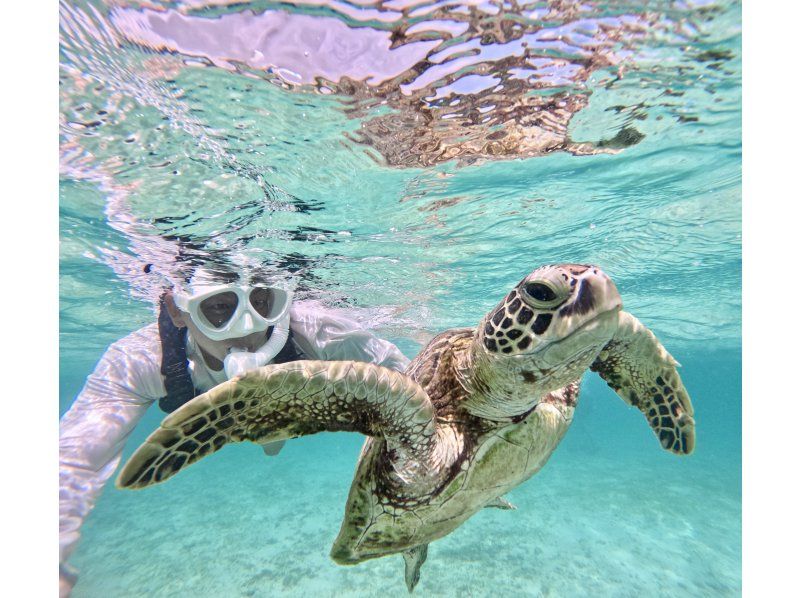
[(67, 576), (273, 448)]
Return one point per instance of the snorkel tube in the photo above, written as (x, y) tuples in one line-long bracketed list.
[(240, 361)]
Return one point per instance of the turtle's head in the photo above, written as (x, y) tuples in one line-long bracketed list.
[(544, 334), (550, 306)]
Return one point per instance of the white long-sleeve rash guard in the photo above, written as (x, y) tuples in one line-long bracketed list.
[(127, 380)]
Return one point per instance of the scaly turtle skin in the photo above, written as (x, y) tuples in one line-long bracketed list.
[(478, 411)]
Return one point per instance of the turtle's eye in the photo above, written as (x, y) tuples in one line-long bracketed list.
[(540, 292), (543, 294)]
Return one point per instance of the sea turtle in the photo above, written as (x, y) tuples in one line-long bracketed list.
[(478, 411)]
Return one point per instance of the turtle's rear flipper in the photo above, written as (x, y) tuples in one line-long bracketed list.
[(644, 374), (283, 401), (414, 560), (500, 503)]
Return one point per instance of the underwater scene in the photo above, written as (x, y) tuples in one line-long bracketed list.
[(406, 164)]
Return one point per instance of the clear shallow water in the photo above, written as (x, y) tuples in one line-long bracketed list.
[(198, 132)]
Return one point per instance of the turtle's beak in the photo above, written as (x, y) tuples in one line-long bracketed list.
[(590, 336)]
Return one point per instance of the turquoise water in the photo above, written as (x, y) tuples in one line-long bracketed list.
[(414, 191)]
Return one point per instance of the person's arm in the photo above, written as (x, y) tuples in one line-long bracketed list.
[(327, 334), (93, 432)]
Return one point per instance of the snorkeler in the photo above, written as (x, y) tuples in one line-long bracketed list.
[(211, 331)]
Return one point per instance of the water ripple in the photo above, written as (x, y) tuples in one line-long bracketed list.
[(411, 158)]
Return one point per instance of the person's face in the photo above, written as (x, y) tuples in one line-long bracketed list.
[(217, 349)]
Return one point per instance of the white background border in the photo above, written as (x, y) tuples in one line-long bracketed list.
[(771, 298)]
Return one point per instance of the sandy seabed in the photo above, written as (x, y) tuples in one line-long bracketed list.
[(241, 524)]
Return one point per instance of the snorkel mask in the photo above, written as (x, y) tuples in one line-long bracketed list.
[(226, 311)]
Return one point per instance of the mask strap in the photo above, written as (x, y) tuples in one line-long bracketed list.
[(174, 364)]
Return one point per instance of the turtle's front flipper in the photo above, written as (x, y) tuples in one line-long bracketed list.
[(414, 560), (293, 399), (644, 374)]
